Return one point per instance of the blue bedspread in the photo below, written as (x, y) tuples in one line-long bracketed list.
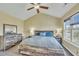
[(40, 41)]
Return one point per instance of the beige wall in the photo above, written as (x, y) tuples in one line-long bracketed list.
[(41, 22), (7, 19)]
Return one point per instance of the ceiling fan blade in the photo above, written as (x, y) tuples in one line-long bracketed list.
[(44, 7), (37, 10), (30, 8), (32, 3)]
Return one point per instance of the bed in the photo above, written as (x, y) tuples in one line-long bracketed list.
[(41, 46)]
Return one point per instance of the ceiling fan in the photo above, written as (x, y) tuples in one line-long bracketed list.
[(37, 6)]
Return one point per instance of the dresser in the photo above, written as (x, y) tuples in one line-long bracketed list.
[(11, 39)]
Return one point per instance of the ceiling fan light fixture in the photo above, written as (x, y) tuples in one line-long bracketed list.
[(35, 3), (37, 7)]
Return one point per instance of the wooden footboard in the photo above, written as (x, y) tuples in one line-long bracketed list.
[(35, 51)]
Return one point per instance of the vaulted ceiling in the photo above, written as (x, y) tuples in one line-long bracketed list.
[(20, 11)]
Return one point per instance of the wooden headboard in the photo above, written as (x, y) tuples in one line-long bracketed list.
[(37, 32)]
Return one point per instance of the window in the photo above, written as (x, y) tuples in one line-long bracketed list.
[(71, 29), (67, 30), (75, 33)]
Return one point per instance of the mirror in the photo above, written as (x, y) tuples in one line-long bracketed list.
[(7, 28)]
